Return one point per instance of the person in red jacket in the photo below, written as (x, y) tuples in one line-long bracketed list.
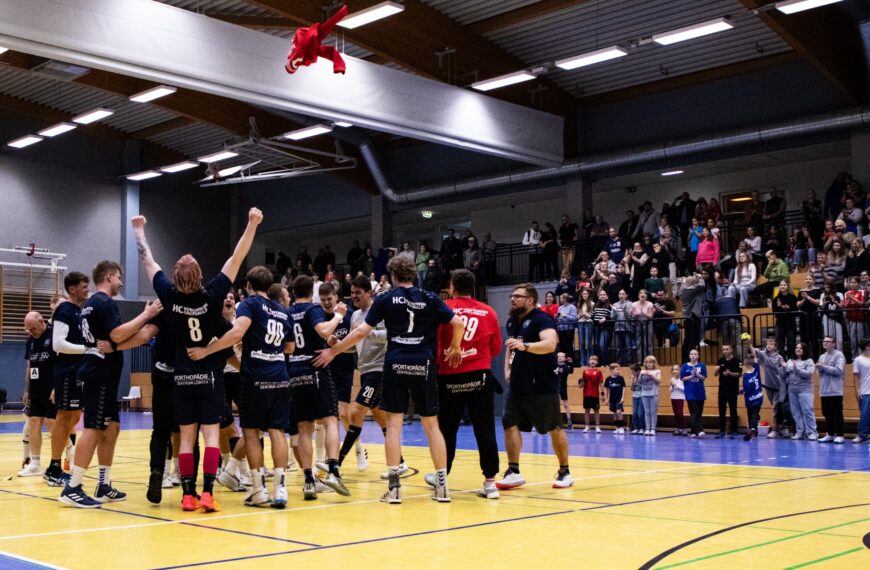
[(472, 383), (591, 381)]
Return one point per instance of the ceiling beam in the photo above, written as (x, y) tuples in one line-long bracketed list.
[(258, 22), (518, 16), (827, 39), (403, 40), (164, 127), (690, 79)]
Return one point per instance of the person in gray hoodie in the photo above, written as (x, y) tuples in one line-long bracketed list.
[(799, 379), (691, 294), (832, 368), (771, 363)]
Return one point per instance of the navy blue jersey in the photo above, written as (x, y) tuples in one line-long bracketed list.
[(616, 385), (532, 373), (196, 319), (163, 356), (411, 316), (344, 364), (753, 395), (39, 354), (303, 318), (263, 343), (69, 314), (100, 315)]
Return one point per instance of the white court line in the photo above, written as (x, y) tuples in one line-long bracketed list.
[(261, 512), (31, 560)]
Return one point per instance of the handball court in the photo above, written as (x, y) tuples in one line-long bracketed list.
[(638, 502)]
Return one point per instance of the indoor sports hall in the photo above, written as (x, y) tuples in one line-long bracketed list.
[(495, 283)]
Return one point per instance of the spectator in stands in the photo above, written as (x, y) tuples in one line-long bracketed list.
[(282, 263), (648, 224), (407, 252), (671, 248), (599, 233), (804, 247), (774, 209), (451, 251), (532, 240), (367, 262), (834, 196), (489, 268), (353, 257), (566, 285), (660, 261), (642, 312), (654, 283), (472, 258), (303, 257), (814, 219), (650, 378), (744, 277), (683, 210), (614, 246), (714, 211), (836, 263), (753, 213), (612, 286), (466, 240), (777, 270), (345, 285), (550, 249), (330, 276), (856, 259), (831, 306), (638, 264), (831, 368), (840, 235), (774, 241), (664, 224), (585, 309), (566, 323), (808, 303), (708, 249), (852, 216), (854, 305), (601, 326), (726, 308), (701, 209), (784, 305), (799, 378), (569, 233), (678, 400), (550, 306), (434, 277), (638, 425), (693, 374), (691, 294), (623, 328), (421, 260), (664, 310), (628, 228), (383, 285), (753, 240), (695, 236)]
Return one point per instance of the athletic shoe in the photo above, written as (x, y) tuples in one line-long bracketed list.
[(748, 436), (292, 465), (510, 480), (652, 433), (771, 434), (563, 481), (635, 431), (430, 479), (76, 497), (362, 459), (280, 500), (320, 487), (720, 435), (31, 470), (489, 491), (858, 438), (598, 430), (260, 498), (839, 439), (322, 466), (336, 484), (245, 480), (189, 503), (813, 437), (175, 479), (392, 496), (269, 473), (570, 427), (701, 434), (677, 433), (309, 493), (208, 503), (826, 439), (59, 479), (403, 470), (441, 492), (230, 481), (797, 436), (586, 430), (155, 490), (693, 435), (107, 494), (167, 481)]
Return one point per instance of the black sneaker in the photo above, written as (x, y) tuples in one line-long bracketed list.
[(720, 435), (155, 487)]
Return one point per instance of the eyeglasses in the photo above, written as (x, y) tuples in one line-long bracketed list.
[(515, 296)]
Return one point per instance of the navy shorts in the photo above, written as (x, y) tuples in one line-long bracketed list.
[(524, 411), (312, 393), (200, 403), (67, 391), (233, 387), (406, 382), (343, 386), (371, 385), (265, 404), (100, 398), (41, 408), (616, 406)]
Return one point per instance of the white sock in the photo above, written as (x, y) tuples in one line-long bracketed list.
[(34, 460), (320, 442), (225, 459), (358, 446), (292, 459), (279, 477), (441, 476), (175, 466), (78, 474), (244, 468), (25, 442), (232, 465), (259, 478), (105, 475), (167, 467)]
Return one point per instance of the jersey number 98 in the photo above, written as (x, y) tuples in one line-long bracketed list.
[(274, 332)]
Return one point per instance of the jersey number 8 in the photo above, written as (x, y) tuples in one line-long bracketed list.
[(274, 332), (195, 331)]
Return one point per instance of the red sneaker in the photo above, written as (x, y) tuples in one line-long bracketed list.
[(208, 503), (189, 503)]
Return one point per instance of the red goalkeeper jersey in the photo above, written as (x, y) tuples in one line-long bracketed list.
[(481, 339)]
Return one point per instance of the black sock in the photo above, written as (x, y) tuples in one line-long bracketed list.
[(353, 433), (72, 438), (188, 486), (514, 468), (233, 442), (563, 469), (54, 466), (208, 483), (394, 481), (309, 476), (332, 466)]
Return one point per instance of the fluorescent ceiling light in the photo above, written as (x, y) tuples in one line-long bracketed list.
[(502, 81), (143, 175), (178, 167), (426, 214), (57, 129), (693, 31), (369, 15), (152, 94), (672, 172), (307, 132), (3, 49), (93, 116), (24, 141), (793, 6), (592, 57), (343, 124), (216, 156)]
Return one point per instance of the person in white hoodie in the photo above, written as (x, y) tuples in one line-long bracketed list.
[(799, 379)]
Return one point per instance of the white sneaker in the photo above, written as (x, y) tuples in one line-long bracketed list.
[(319, 487), (230, 481), (322, 466), (839, 439), (598, 430), (32, 470), (771, 434), (797, 436), (563, 481), (392, 496), (429, 478), (269, 473), (175, 478), (258, 498), (702, 344), (858, 439), (652, 432), (701, 434), (403, 470), (167, 481), (813, 437), (826, 439), (489, 490), (586, 430), (510, 481), (280, 500), (292, 465), (362, 459), (245, 480), (441, 492)]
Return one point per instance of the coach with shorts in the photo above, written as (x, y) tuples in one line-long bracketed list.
[(533, 397)]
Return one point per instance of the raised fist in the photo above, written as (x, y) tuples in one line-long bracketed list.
[(138, 222), (255, 216)]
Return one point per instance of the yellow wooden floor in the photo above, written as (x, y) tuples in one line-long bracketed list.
[(619, 514)]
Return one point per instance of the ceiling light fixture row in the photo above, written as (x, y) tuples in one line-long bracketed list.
[(614, 52)]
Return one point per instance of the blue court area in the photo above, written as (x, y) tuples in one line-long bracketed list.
[(663, 447)]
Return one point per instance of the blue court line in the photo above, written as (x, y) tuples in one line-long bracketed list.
[(541, 498), (12, 563), (488, 523), (185, 523)]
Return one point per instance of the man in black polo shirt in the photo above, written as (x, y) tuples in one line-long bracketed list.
[(39, 382), (728, 370), (533, 397)]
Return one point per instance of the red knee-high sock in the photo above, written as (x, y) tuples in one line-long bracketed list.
[(210, 460), (187, 469)]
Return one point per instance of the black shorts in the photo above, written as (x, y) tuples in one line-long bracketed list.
[(203, 404), (563, 388), (591, 402), (312, 393), (616, 407), (67, 391), (371, 384), (343, 386), (265, 405), (228, 417), (466, 382), (410, 381), (524, 411), (100, 399), (41, 408), (233, 388)]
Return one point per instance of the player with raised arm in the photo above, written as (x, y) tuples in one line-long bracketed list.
[(412, 317), (262, 325), (196, 314)]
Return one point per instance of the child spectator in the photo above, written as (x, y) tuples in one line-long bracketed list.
[(585, 308), (591, 381), (752, 393), (566, 323), (678, 400), (654, 283), (650, 378), (774, 385), (854, 302), (694, 373), (563, 370), (614, 388), (637, 413)]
